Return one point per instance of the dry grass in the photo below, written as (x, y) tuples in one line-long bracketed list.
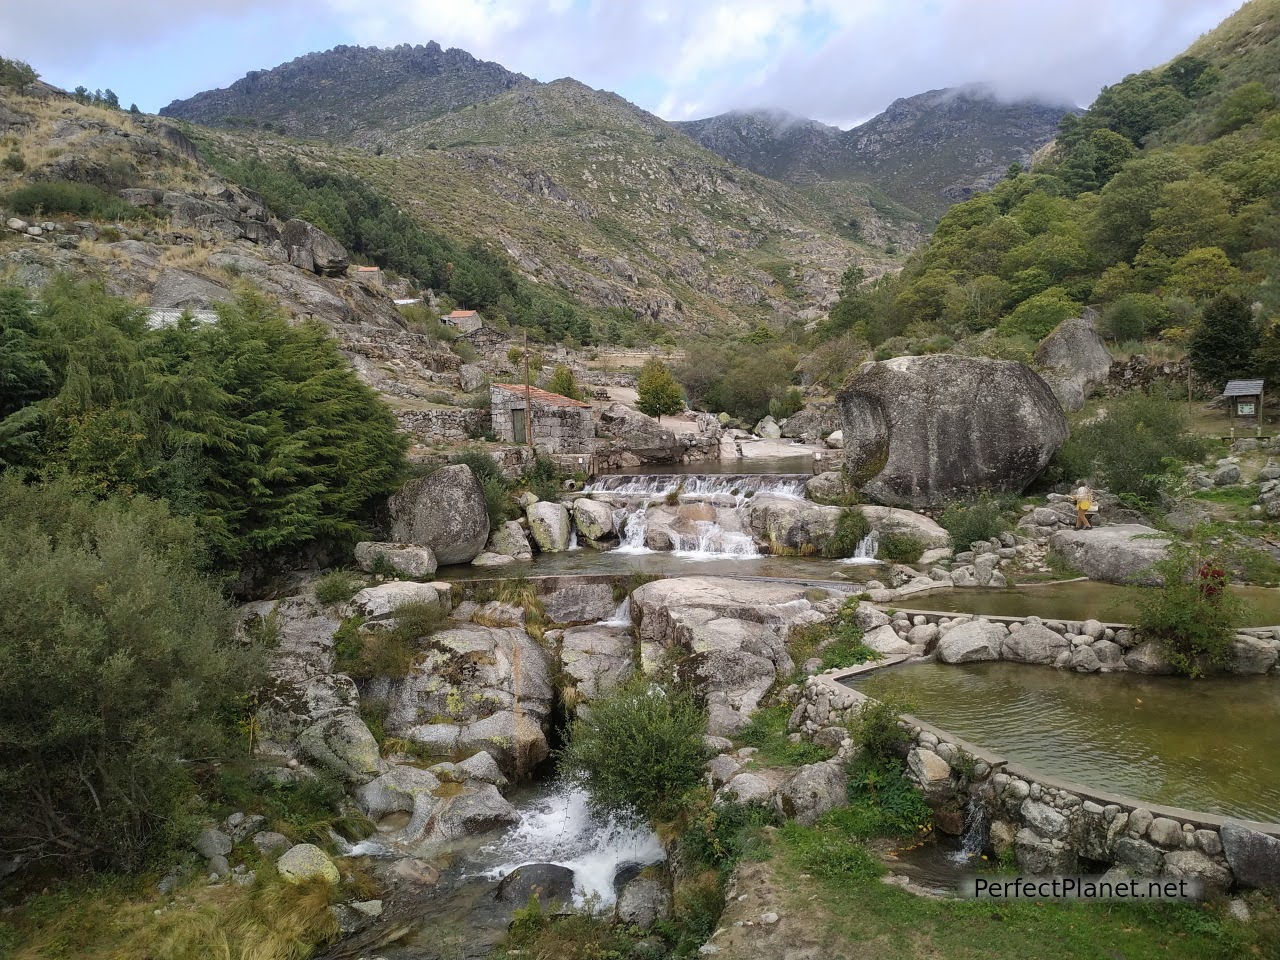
[(269, 920)]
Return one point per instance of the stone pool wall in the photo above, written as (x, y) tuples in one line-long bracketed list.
[(1088, 646), (1052, 826)]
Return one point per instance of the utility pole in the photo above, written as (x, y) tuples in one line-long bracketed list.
[(528, 404)]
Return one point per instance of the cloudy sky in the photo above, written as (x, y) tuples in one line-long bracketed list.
[(840, 61)]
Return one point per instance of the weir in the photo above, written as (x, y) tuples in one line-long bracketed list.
[(737, 485)]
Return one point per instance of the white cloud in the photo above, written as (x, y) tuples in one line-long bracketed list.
[(834, 60)]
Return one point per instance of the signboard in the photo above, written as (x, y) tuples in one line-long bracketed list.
[(1245, 408)]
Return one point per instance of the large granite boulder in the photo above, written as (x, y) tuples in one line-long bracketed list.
[(465, 693), (549, 526), (1034, 643), (727, 636), (1123, 553), (508, 539), (594, 520), (919, 431), (972, 641), (597, 658), (1074, 360), (445, 511), (406, 559), (640, 434), (789, 526), (885, 520)]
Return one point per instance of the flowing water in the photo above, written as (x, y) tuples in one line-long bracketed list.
[(668, 564), (1210, 745), (558, 826), (800, 464), (1078, 600), (739, 486)]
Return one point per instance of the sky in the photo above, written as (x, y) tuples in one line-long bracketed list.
[(838, 61)]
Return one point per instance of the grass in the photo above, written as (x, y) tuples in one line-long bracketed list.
[(836, 645), (767, 732), (826, 871), (108, 918), (338, 586)]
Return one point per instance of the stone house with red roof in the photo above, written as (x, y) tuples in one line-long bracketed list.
[(560, 425)]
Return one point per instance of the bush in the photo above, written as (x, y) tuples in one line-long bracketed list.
[(721, 834), (497, 488), (1037, 316), (639, 750), (1133, 450), (975, 520), (1193, 615), (544, 479), (657, 392), (767, 732), (900, 548), (14, 162), (116, 660), (388, 650), (337, 586), (77, 199), (564, 382), (851, 529)]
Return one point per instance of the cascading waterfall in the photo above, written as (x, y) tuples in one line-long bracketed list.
[(977, 831), (738, 486), (561, 828), (573, 537), (866, 551)]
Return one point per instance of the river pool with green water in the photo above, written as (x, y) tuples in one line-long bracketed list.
[(1211, 745)]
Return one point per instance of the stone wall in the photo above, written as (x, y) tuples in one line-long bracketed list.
[(446, 425), (1052, 826), (1088, 646)]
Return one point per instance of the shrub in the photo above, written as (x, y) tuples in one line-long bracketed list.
[(1038, 315), (14, 162), (497, 488), (1193, 615), (1132, 450), (78, 199), (975, 520), (720, 834), (338, 586), (657, 392), (639, 750), (900, 548), (850, 530), (767, 732), (564, 382), (116, 660), (544, 479)]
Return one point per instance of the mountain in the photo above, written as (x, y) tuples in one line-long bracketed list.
[(337, 94), (581, 189), (925, 152)]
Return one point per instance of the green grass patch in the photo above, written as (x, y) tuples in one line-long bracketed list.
[(76, 199), (767, 732)]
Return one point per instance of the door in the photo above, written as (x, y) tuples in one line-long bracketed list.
[(518, 423)]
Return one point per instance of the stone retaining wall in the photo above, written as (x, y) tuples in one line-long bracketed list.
[(446, 425), (1050, 825), (1088, 646)]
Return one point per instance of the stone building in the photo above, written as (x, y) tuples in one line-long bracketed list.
[(464, 321), (560, 425)]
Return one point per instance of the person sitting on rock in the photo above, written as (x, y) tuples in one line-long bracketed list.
[(1084, 503)]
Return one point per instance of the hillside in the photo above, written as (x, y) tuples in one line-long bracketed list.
[(588, 193), (1158, 206), (925, 152), (340, 93)]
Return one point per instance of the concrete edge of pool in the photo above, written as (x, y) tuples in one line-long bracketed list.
[(998, 763)]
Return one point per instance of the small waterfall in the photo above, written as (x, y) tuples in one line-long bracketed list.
[(739, 486), (866, 551), (632, 526), (621, 617), (714, 543), (560, 828), (573, 537), (977, 831)]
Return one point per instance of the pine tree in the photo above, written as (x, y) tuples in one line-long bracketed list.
[(657, 392), (1223, 343)]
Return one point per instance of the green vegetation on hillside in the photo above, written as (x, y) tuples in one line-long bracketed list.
[(365, 222), (256, 429), (1165, 194)]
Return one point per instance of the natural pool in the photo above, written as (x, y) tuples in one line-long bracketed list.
[(668, 564), (1076, 600), (1210, 745)]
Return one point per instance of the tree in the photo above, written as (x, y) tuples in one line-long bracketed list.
[(1223, 343), (116, 662), (110, 99), (17, 74), (1037, 316), (564, 383), (1243, 105), (133, 108), (657, 392), (1202, 273)]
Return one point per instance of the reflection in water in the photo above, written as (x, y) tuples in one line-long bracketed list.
[(1209, 745), (668, 564)]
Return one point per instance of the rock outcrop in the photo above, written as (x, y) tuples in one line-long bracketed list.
[(444, 511), (1074, 359), (1123, 553), (729, 637), (638, 434), (919, 431)]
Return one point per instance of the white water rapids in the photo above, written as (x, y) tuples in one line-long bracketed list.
[(559, 827)]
